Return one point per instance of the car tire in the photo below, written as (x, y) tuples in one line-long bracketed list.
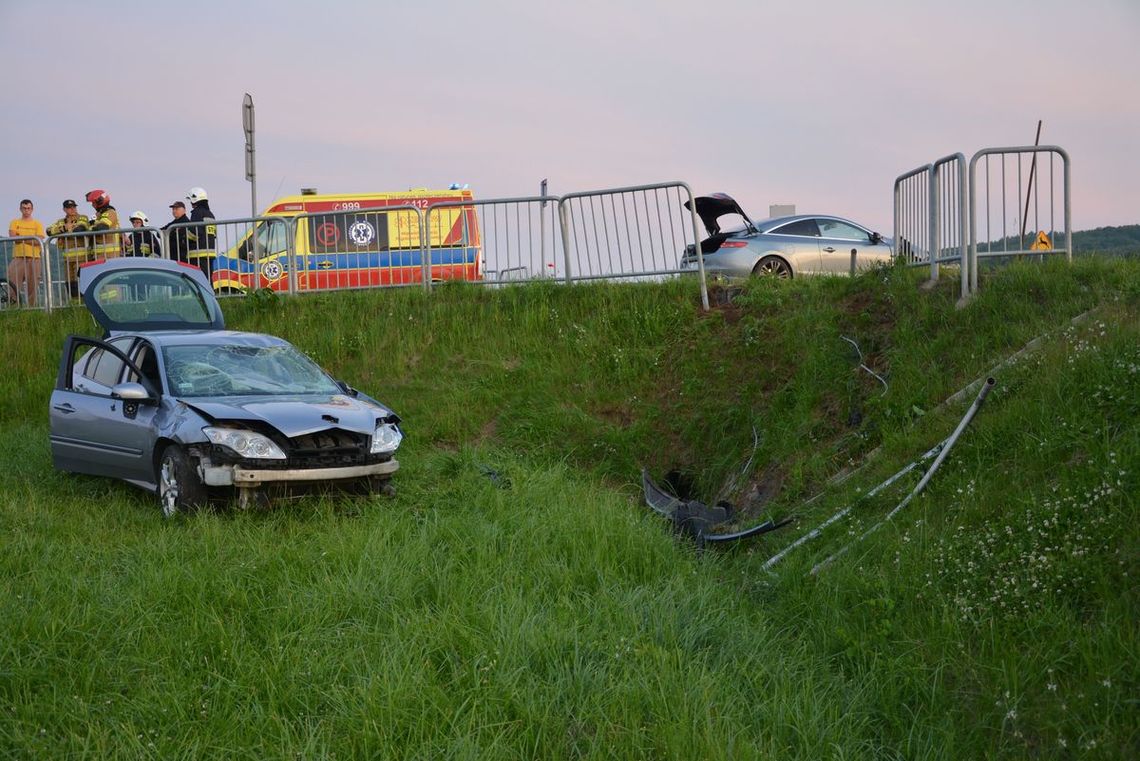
[(179, 488), (772, 266)]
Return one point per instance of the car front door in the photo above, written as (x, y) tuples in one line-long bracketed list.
[(93, 431), (838, 239)]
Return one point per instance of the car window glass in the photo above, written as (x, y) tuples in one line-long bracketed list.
[(107, 370), (147, 362), (799, 227), (86, 360), (833, 228)]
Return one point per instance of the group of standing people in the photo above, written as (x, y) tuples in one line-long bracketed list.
[(191, 238)]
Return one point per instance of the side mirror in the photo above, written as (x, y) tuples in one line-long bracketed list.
[(131, 392), (876, 239), (347, 388)]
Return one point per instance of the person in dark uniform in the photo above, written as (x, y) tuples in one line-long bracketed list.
[(203, 236), (177, 232)]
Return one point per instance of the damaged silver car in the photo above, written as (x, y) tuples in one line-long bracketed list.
[(172, 402)]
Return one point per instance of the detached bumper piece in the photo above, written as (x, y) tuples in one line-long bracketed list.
[(695, 519)]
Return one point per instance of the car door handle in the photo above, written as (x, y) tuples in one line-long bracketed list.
[(829, 249), (64, 408)]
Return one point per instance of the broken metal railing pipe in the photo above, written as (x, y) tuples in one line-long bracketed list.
[(977, 405), (932, 452)]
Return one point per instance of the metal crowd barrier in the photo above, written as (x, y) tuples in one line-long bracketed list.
[(934, 205), (249, 253), (948, 216), (358, 248), (636, 232), (518, 239), (913, 193), (998, 203), (17, 273), (633, 232)]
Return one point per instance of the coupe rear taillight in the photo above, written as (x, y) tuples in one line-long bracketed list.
[(734, 244)]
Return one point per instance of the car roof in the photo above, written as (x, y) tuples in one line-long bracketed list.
[(764, 225)]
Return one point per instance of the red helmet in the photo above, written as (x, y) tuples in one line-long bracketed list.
[(98, 198)]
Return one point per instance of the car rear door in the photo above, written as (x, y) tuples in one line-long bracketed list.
[(799, 240)]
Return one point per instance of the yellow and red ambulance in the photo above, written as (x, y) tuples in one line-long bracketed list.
[(357, 241)]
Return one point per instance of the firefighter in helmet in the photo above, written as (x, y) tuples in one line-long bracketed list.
[(203, 233), (108, 245), (143, 242)]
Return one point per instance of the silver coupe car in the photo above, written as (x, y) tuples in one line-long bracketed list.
[(172, 402), (803, 244)]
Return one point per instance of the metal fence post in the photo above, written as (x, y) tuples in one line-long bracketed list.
[(291, 252)]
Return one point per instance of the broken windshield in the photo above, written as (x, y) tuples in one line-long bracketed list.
[(197, 370)]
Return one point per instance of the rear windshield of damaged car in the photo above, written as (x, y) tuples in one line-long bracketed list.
[(136, 297), (198, 370)]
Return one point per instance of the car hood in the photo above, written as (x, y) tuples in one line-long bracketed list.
[(296, 416), (712, 207)]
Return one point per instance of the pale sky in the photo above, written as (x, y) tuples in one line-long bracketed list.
[(821, 104)]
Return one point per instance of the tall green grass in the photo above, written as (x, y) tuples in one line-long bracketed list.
[(544, 612)]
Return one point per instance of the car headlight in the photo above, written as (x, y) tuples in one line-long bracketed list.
[(386, 439), (246, 443)]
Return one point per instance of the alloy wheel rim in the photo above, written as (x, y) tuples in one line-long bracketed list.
[(168, 488)]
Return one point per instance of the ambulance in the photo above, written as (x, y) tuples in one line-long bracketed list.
[(354, 241)]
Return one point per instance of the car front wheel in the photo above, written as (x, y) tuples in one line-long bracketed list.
[(772, 266), (179, 488)]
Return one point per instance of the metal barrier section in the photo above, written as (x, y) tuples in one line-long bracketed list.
[(249, 253), (495, 240), (358, 248), (637, 232), (1015, 204), (948, 223), (25, 274), (913, 216), (67, 252)]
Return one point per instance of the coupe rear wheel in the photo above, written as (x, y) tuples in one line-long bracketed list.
[(772, 266), (179, 488)]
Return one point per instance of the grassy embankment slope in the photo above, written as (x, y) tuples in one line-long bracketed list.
[(549, 614)]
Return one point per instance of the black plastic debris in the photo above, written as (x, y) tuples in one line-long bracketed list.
[(696, 519), (495, 477)]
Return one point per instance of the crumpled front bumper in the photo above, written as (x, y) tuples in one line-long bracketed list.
[(243, 477)]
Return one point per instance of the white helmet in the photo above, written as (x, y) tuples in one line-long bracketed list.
[(196, 194), (141, 217)]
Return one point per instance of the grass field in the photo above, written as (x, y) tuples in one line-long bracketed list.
[(543, 611)]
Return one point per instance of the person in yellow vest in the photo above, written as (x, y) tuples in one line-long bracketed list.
[(27, 256), (75, 249), (110, 245)]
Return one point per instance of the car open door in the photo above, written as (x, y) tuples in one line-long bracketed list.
[(92, 428)]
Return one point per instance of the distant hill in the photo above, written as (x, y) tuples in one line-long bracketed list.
[(1122, 240)]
